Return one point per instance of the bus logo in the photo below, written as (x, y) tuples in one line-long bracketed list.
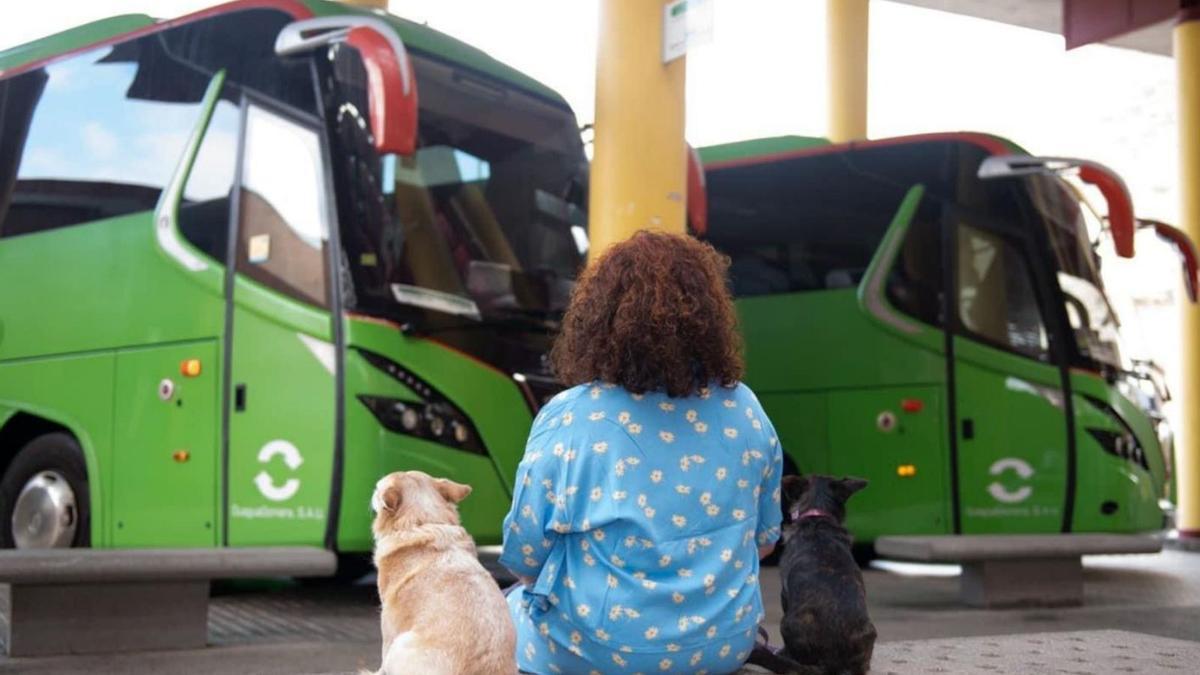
[(293, 460), (1001, 493)]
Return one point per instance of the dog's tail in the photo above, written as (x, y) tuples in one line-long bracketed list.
[(778, 662)]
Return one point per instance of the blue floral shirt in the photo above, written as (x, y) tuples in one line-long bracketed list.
[(639, 518)]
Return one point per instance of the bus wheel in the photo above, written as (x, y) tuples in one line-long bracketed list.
[(44, 496)]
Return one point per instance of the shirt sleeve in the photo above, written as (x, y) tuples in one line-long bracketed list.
[(770, 508), (539, 507)]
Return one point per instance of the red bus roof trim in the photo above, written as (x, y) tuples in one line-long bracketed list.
[(993, 145), (295, 8)]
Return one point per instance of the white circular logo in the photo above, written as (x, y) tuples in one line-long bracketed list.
[(1001, 493), (293, 460)]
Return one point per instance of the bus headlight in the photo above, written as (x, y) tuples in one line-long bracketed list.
[(427, 421), (433, 417)]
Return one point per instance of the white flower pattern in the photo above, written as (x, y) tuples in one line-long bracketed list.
[(601, 484)]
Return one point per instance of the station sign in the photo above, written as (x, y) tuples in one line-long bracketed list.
[(686, 23)]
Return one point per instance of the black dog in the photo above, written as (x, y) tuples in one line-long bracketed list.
[(826, 629)]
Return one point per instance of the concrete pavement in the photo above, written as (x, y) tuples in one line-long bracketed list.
[(1150, 604)]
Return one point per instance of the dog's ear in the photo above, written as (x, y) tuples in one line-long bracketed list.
[(851, 484), (451, 491), (793, 486), (391, 497)]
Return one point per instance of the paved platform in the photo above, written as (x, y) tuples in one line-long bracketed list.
[(1082, 652), (1150, 604)]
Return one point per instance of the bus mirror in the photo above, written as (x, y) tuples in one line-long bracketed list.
[(1120, 205), (697, 195), (1186, 249), (1121, 221), (391, 83)]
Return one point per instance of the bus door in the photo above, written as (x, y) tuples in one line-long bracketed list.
[(284, 362), (1010, 413)]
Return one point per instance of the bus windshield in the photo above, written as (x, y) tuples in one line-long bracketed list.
[(1072, 227), (487, 218)]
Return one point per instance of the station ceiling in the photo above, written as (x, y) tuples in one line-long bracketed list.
[(1047, 15)]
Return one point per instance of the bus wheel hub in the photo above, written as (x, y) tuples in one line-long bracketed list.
[(44, 515)]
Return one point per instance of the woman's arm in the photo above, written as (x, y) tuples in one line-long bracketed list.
[(528, 538)]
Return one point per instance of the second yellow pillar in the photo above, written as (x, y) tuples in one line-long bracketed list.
[(639, 166), (1187, 451), (846, 34)]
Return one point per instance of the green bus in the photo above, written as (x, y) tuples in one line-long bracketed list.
[(247, 270), (928, 312)]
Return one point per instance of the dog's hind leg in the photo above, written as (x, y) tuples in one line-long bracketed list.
[(405, 656)]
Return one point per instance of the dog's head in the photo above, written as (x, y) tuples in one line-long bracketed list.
[(819, 495), (407, 499)]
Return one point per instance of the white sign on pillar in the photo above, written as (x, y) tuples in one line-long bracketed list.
[(686, 23)]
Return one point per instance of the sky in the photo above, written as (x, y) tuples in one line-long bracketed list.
[(763, 74)]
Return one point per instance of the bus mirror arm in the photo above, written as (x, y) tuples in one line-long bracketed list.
[(1121, 221), (1185, 247), (391, 82)]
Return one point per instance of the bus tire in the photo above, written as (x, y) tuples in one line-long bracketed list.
[(46, 483)]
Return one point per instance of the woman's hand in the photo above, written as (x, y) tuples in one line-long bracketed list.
[(764, 551)]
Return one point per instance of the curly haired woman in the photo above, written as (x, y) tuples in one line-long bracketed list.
[(649, 490)]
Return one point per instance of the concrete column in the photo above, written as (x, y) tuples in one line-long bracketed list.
[(846, 50), (1187, 453), (639, 167)]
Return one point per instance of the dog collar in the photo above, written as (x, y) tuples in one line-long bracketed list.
[(811, 513)]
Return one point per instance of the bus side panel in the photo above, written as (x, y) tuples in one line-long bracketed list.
[(802, 422), (822, 340), (281, 420), (165, 472), (97, 286), (901, 453), (1012, 441), (76, 392), (825, 371)]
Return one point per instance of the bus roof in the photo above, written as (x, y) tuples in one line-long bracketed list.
[(763, 150), (416, 37)]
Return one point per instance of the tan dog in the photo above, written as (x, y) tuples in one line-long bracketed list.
[(443, 614)]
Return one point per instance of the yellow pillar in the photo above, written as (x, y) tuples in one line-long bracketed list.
[(1187, 453), (846, 53), (639, 163), (372, 4)]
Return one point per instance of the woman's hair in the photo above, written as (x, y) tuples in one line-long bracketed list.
[(653, 313)]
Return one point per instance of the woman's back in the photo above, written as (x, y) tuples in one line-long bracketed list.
[(639, 518)]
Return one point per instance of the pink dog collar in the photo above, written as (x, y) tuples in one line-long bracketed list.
[(811, 513)]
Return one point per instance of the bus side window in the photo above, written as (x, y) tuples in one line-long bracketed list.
[(915, 282), (93, 136), (997, 301), (204, 210), (283, 232)]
